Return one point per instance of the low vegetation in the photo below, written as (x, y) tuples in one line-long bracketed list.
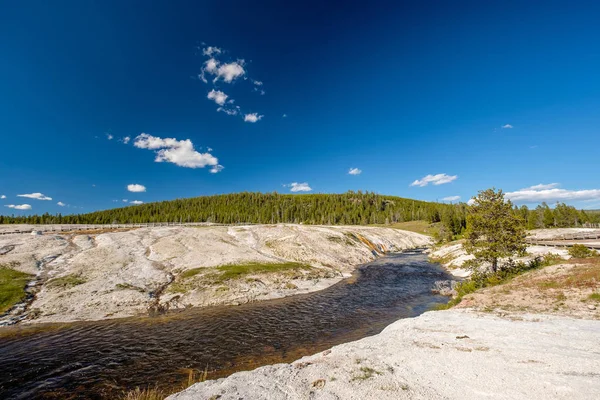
[(66, 282), (479, 279), (581, 251), (12, 287), (191, 278)]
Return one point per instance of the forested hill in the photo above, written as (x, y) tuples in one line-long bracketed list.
[(351, 208)]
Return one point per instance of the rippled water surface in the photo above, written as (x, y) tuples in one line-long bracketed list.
[(99, 360)]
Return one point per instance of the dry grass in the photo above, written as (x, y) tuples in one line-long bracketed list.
[(571, 288), (156, 393), (422, 227)]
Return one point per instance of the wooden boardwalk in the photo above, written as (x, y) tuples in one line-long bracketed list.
[(56, 228)]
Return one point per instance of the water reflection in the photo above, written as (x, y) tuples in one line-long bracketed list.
[(98, 360)]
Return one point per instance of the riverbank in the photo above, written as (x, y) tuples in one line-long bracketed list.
[(534, 337), (112, 274), (454, 354)]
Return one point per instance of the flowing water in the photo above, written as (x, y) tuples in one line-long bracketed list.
[(102, 360)]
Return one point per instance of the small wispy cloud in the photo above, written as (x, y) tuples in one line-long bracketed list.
[(125, 200), (284, 116), (550, 193), (126, 139), (471, 201), (299, 187), (136, 202), (178, 152), (36, 196), (543, 186), (210, 50), (354, 171), (136, 188), (451, 198), (60, 203), (438, 179), (19, 206), (228, 111), (2, 197), (507, 126), (219, 97), (257, 83), (109, 136), (253, 117)]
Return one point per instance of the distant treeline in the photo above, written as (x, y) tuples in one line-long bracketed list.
[(351, 208)]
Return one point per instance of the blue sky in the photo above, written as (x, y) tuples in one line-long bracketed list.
[(427, 100)]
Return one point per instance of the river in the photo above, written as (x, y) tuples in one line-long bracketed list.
[(104, 359)]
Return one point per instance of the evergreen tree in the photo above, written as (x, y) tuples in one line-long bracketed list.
[(494, 230)]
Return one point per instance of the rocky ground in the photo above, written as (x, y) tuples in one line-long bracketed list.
[(454, 354), (106, 274), (535, 337)]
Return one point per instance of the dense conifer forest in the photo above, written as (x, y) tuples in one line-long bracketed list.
[(350, 208)]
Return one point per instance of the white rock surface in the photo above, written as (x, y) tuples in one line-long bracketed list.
[(125, 272), (455, 354)]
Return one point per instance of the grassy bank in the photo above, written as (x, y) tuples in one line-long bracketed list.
[(12, 287)]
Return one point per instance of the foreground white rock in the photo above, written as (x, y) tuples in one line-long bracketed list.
[(455, 354), (117, 274)]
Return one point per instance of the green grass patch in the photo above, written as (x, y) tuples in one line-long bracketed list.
[(66, 282), (365, 373), (236, 271), (594, 297), (12, 287)]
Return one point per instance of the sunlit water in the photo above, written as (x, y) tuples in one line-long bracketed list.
[(99, 360)]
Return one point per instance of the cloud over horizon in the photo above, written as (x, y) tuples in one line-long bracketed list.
[(451, 198), (551, 193), (19, 206), (36, 196), (354, 171), (438, 179), (178, 152), (299, 187)]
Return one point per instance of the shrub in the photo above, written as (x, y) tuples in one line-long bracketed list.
[(581, 251)]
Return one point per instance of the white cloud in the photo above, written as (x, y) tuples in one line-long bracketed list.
[(299, 187), (2, 197), (507, 126), (126, 139), (257, 83), (550, 193), (36, 196), (210, 50), (231, 71), (136, 188), (228, 111), (216, 169), (136, 202), (438, 179), (254, 117), (60, 203), (228, 72), (471, 202), (542, 186), (19, 206), (125, 200), (354, 171), (451, 198), (178, 152), (219, 97), (109, 136)]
